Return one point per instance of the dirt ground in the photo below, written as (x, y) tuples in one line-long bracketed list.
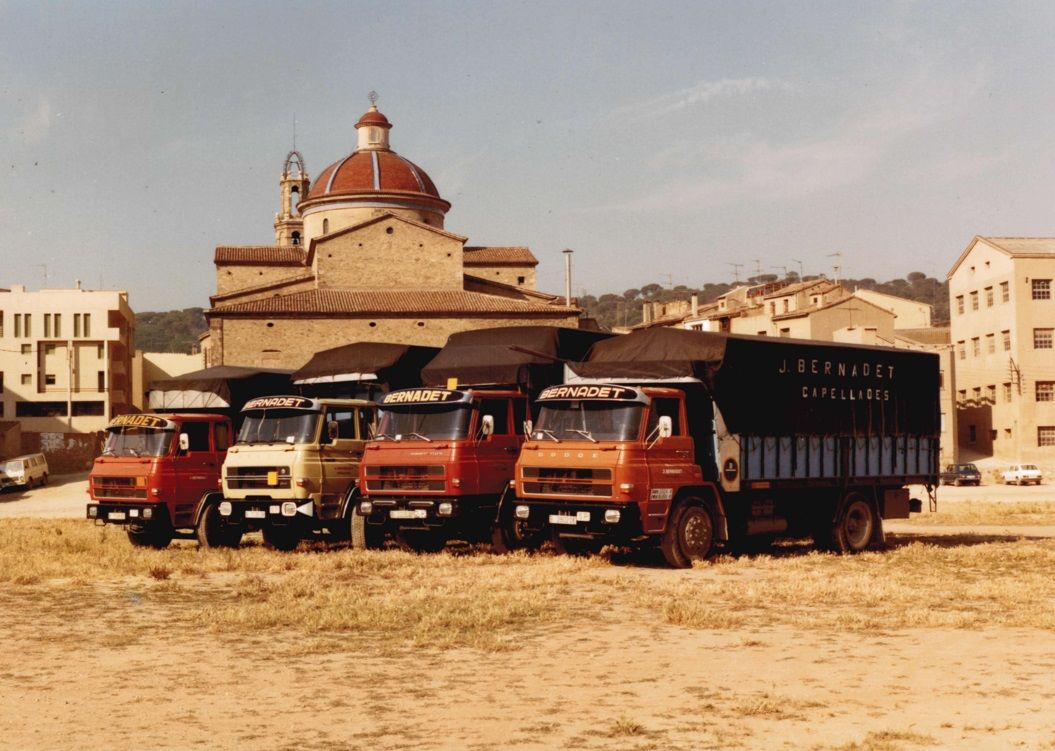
[(127, 674)]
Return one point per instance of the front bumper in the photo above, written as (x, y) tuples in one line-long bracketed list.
[(257, 513), (582, 519), (424, 513), (129, 514)]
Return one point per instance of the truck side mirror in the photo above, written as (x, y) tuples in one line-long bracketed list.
[(528, 427), (184, 442), (332, 430), (666, 427), (487, 425)]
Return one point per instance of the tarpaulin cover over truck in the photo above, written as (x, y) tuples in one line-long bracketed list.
[(530, 357), (769, 386), (398, 365), (220, 388)]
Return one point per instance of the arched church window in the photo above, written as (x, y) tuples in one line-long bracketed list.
[(294, 199), (325, 226), (296, 238)]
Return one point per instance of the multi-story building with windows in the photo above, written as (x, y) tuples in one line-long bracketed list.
[(65, 364), (1003, 318)]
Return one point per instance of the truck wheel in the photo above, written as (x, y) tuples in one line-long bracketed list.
[(509, 533), (853, 528), (366, 536), (213, 532), (151, 537), (577, 546), (281, 538), (421, 540), (690, 534)]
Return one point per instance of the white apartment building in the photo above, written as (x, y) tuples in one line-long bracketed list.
[(1002, 306), (65, 362)]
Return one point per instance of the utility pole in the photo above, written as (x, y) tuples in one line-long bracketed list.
[(736, 271), (838, 266), (801, 272)]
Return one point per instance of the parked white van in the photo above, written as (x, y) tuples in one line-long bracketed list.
[(24, 471)]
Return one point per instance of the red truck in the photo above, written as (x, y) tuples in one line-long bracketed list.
[(158, 477), (443, 454), (691, 441)]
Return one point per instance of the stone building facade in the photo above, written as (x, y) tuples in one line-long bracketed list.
[(362, 254)]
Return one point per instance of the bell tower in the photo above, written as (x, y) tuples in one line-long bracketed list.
[(289, 225)]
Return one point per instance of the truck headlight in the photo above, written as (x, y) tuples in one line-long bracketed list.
[(612, 515), (224, 508), (289, 508), (93, 511), (445, 509), (366, 508), (148, 513), (522, 512)]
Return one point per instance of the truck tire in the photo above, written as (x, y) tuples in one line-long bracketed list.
[(156, 537), (853, 528), (421, 540), (213, 532), (365, 536), (281, 538), (689, 536), (509, 533)]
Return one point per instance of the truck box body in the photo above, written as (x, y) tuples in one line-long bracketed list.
[(784, 433), (427, 487), (363, 370)]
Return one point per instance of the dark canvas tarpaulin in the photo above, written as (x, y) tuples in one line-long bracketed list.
[(398, 365), (529, 357), (220, 388), (784, 386)]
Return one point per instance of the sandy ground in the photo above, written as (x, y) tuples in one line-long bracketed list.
[(128, 675)]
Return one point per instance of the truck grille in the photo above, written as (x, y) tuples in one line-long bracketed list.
[(245, 478), (567, 481), (119, 488), (404, 477)]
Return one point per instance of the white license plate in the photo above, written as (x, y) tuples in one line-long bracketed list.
[(116, 516), (562, 519), (412, 513), (255, 513)]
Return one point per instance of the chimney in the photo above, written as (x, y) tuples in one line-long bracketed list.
[(567, 276), (646, 312), (695, 305)]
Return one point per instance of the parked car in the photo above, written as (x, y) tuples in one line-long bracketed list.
[(24, 471), (961, 474), (1022, 474)]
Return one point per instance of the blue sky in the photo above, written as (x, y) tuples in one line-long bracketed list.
[(663, 142)]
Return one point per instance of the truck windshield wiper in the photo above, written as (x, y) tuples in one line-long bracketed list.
[(383, 437), (132, 451), (419, 435), (550, 434), (585, 434)]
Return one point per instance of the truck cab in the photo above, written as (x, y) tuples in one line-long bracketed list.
[(157, 473), (608, 464), (439, 463), (294, 468)]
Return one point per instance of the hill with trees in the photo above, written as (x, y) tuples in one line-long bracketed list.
[(612, 309), (170, 331)]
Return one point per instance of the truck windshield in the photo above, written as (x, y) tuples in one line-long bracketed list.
[(278, 426), (588, 421), (443, 422), (130, 440)]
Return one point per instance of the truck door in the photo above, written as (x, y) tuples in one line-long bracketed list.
[(196, 470), (340, 456), (496, 454), (670, 461)]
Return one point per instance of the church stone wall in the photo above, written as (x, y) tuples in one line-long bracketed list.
[(290, 342), (233, 278), (506, 274), (389, 255)]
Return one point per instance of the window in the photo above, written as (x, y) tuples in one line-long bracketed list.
[(1046, 391), (521, 279), (58, 325), (974, 300), (665, 408), (76, 324), (18, 325), (99, 351), (49, 379), (990, 343), (223, 436), (961, 396), (87, 324), (1046, 435), (27, 379), (27, 349), (499, 411), (786, 303), (519, 415), (1005, 292), (40, 409), (1041, 289), (785, 333), (88, 409), (990, 393), (27, 321), (988, 297), (345, 419), (1042, 338), (325, 226), (1007, 392), (959, 304), (976, 395), (1006, 337), (197, 435), (961, 350), (47, 325), (296, 238), (976, 348), (772, 308), (100, 380)]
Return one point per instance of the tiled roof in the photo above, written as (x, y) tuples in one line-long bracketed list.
[(1024, 246), (490, 286), (256, 288), (389, 302), (261, 255), (498, 255), (797, 287), (372, 171), (933, 335)]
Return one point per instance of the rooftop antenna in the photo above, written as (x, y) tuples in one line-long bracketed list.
[(838, 266), (758, 267), (736, 271), (801, 272), (785, 268)]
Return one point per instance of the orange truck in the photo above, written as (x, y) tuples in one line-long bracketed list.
[(158, 475), (692, 441), (443, 454)]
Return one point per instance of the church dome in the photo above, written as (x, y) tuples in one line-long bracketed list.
[(377, 177)]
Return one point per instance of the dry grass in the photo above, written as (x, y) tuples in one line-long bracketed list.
[(889, 740), (989, 513)]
